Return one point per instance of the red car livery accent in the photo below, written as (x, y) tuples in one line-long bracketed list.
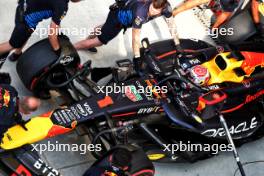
[(57, 130), (21, 170), (252, 60)]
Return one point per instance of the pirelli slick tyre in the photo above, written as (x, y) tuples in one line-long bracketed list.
[(34, 60), (40, 61)]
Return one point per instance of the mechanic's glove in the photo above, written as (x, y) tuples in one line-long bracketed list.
[(5, 78), (137, 64), (58, 52)]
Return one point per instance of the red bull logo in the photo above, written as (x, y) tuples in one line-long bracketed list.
[(6, 98)]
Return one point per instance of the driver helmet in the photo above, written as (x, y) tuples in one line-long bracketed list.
[(199, 75)]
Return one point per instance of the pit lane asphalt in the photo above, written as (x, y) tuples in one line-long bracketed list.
[(88, 14)]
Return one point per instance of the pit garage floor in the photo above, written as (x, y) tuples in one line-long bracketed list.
[(87, 14)]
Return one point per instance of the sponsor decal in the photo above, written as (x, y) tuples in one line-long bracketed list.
[(220, 49), (138, 20), (65, 115), (195, 61), (67, 60), (247, 84), (148, 110), (242, 127), (81, 110), (59, 117), (45, 170), (184, 66), (214, 87), (132, 93), (88, 108), (251, 98), (70, 114), (75, 113)]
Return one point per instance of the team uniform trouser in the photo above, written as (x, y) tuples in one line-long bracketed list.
[(111, 28), (21, 32)]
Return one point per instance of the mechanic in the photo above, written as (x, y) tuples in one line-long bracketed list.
[(28, 14), (11, 106), (226, 6), (123, 15)]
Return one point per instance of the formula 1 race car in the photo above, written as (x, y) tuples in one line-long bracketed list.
[(201, 94), (197, 80)]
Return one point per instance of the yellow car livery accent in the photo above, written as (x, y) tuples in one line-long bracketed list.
[(16, 136), (154, 157), (227, 74)]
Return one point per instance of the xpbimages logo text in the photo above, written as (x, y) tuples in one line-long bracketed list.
[(60, 147), (191, 147), (125, 89)]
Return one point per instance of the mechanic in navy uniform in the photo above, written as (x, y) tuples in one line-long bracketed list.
[(131, 14), (11, 106), (225, 6), (28, 14)]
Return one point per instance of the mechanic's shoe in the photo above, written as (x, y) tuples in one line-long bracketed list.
[(14, 57), (93, 50)]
